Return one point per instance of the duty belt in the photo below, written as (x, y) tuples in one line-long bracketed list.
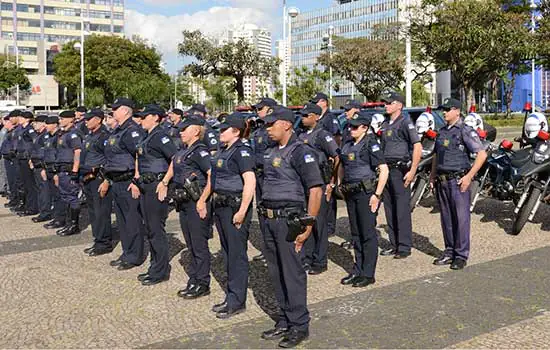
[(279, 213), (63, 168), (117, 176), (148, 178), (225, 200), (400, 164), (89, 176), (38, 164), (447, 176), (367, 185)]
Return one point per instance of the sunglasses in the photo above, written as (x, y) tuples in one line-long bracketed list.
[(355, 127)]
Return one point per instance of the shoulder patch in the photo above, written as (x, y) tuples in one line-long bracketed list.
[(308, 158), (74, 136), (204, 154), (135, 134), (245, 153), (375, 148), (411, 126), (334, 121), (31, 131), (165, 140), (473, 133), (328, 138), (213, 141), (211, 134)]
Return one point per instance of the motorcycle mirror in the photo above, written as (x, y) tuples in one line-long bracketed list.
[(507, 145), (543, 135), (431, 134)]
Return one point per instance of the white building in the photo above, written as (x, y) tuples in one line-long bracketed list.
[(283, 54)]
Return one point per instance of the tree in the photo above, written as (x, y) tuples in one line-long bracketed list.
[(372, 65), (117, 66), (11, 75), (470, 38), (236, 60), (218, 91), (303, 84), (182, 89)]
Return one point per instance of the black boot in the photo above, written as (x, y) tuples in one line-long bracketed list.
[(72, 227), (55, 223)]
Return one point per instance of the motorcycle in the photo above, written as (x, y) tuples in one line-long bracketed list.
[(420, 186), (533, 185)]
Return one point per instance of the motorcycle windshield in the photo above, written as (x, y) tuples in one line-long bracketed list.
[(539, 162)]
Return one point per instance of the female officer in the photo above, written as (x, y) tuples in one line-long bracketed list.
[(154, 155), (233, 184), (191, 167), (361, 157)]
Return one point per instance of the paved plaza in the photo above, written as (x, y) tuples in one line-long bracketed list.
[(55, 296)]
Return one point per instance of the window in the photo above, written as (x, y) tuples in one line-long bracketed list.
[(62, 25), (7, 6), (118, 29), (61, 11), (60, 38), (99, 14), (28, 37), (31, 51), (100, 2), (100, 27), (118, 15), (118, 2)]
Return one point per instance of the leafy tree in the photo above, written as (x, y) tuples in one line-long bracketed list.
[(218, 91), (236, 60), (182, 89), (117, 66), (10, 75), (303, 84), (372, 65)]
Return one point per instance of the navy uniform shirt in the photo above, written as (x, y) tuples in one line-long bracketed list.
[(361, 159), (192, 160), (37, 151), (398, 138), (67, 142), (155, 152), (9, 143), (25, 139), (94, 147), (211, 138), (322, 140), (228, 166), (329, 122), (81, 126), (453, 146), (50, 148), (121, 147), (261, 141)]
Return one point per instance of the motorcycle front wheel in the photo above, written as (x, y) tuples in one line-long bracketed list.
[(525, 211), (418, 192)]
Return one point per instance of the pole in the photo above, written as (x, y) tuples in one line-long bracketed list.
[(533, 92), (175, 90), (330, 33), (408, 64), (285, 41), (17, 65), (82, 94)]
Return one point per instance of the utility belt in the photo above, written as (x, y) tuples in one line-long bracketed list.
[(149, 178), (326, 171), (225, 200), (38, 164), (400, 164), (91, 176), (50, 167), (23, 155), (120, 176), (63, 168), (259, 170), (366, 185), (297, 219), (444, 176)]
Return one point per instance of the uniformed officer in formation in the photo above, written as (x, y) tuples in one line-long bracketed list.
[(210, 135), (50, 155), (25, 140), (189, 173), (67, 167), (99, 208), (452, 175), (351, 107), (260, 142), (362, 159), (8, 154), (38, 166), (292, 190), (80, 122), (234, 184), (155, 153), (402, 151), (316, 248), (174, 118), (120, 165)]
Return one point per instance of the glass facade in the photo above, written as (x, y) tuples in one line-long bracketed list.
[(350, 19)]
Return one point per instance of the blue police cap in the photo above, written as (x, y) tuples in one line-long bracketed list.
[(279, 113), (192, 120), (234, 120), (361, 118)]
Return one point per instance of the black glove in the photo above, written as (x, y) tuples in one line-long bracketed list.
[(74, 176)]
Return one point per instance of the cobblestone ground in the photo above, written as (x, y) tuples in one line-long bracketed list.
[(54, 296)]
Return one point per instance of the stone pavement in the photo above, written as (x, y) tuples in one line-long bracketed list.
[(54, 296)]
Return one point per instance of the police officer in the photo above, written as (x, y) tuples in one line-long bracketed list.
[(120, 155), (154, 155), (210, 136), (38, 166), (191, 167), (234, 183), (260, 142), (351, 107), (93, 158), (402, 151), (292, 182), (67, 163), (316, 248), (172, 129), (361, 159), (25, 140), (110, 122), (50, 154), (8, 154), (452, 175), (80, 122)]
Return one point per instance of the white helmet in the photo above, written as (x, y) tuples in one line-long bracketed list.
[(376, 122), (535, 122), (474, 120), (424, 122)]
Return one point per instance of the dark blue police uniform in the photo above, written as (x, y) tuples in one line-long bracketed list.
[(227, 168), (174, 134), (99, 209), (154, 155), (453, 146), (50, 155), (316, 247), (39, 166), (398, 138), (25, 140), (9, 156), (120, 154)]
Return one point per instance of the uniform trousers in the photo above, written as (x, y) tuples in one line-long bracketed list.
[(99, 212), (59, 208), (455, 218), (12, 174), (44, 199), (398, 211), (316, 246), (68, 190), (30, 188)]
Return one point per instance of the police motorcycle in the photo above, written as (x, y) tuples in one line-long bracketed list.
[(425, 127), (534, 175)]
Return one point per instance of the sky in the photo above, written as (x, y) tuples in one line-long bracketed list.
[(162, 21)]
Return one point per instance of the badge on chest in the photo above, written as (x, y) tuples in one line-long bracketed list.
[(446, 143), (351, 156), (389, 132), (140, 150), (276, 162), (219, 163), (112, 141)]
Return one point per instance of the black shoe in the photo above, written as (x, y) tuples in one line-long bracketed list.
[(182, 292), (401, 255), (349, 279), (152, 281), (316, 270), (347, 245), (220, 306), (27, 213), (73, 229), (88, 250), (388, 252), (274, 333), (307, 267), (199, 290), (99, 251), (41, 218), (54, 224), (444, 260), (228, 312), (143, 276), (362, 281), (259, 257), (125, 266), (458, 264), (116, 262), (293, 337)]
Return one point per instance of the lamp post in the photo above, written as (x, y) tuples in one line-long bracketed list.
[(533, 24), (78, 46), (327, 38), (408, 63), (293, 12), (16, 51)]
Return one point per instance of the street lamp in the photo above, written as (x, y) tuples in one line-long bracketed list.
[(293, 12), (533, 24), (327, 39), (16, 51), (79, 47)]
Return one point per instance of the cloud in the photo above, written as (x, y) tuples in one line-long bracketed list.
[(167, 2)]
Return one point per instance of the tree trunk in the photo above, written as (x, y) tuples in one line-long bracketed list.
[(510, 94), (239, 86)]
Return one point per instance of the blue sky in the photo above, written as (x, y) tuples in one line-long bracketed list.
[(161, 21)]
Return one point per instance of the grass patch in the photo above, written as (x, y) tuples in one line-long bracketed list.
[(505, 122)]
